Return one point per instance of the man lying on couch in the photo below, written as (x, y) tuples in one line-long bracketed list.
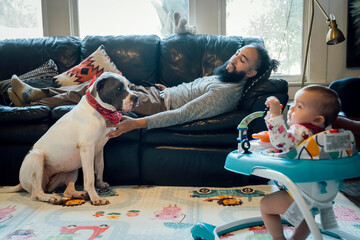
[(203, 98)]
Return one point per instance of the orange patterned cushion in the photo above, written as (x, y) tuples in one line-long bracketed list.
[(97, 63)]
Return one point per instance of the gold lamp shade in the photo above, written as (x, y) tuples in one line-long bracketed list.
[(334, 35)]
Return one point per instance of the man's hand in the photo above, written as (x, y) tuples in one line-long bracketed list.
[(125, 125), (160, 86), (274, 106)]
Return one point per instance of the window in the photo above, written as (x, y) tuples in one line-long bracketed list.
[(20, 19), (278, 22), (126, 17)]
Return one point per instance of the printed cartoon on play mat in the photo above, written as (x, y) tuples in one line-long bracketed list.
[(227, 197)]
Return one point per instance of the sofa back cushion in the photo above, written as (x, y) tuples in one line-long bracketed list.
[(263, 89), (185, 57), (18, 56), (136, 56)]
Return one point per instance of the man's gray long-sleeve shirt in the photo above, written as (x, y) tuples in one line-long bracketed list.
[(203, 98)]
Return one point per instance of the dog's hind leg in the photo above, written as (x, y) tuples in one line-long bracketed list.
[(68, 179), (32, 177), (70, 191)]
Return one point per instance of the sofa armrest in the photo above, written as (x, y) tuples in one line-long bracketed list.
[(348, 89), (18, 56), (254, 98), (136, 56)]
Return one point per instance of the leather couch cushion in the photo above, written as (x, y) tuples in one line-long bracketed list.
[(135, 56), (11, 158), (193, 165), (348, 90), (23, 125), (121, 162), (60, 111), (189, 166), (65, 51), (226, 138), (21, 134), (263, 87), (16, 115)]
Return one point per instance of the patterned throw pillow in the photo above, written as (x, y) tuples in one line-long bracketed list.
[(48, 69), (97, 63), (39, 77)]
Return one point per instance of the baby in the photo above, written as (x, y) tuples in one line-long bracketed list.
[(315, 108)]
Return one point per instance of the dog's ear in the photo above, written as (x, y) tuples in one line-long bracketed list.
[(99, 85)]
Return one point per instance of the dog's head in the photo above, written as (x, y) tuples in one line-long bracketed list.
[(111, 91)]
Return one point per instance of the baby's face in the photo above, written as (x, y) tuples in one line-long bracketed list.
[(303, 110)]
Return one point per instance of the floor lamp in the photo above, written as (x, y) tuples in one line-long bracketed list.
[(334, 35)]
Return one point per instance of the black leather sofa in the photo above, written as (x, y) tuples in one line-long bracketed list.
[(191, 154)]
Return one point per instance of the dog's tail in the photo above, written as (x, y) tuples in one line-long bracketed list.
[(11, 189)]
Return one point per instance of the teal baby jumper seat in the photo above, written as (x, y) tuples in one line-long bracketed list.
[(314, 171)]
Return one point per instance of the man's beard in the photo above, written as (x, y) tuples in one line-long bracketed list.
[(225, 76)]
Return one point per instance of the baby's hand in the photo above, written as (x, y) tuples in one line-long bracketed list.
[(274, 106)]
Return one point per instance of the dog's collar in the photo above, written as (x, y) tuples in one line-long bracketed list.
[(113, 116)]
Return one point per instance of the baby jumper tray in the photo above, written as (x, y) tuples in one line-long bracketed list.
[(335, 159)]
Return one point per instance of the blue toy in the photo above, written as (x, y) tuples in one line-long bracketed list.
[(336, 158), (244, 142)]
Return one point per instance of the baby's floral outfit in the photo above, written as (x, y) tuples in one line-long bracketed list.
[(286, 139)]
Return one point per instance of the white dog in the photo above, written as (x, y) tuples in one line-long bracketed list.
[(76, 140)]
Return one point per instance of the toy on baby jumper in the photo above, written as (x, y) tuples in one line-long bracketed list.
[(244, 143), (263, 136), (336, 159)]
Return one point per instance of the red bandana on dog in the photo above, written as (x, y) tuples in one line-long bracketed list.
[(113, 116)]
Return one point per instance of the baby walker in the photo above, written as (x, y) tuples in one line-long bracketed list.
[(336, 158)]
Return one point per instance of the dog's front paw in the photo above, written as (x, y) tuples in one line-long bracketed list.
[(56, 200), (99, 201), (102, 185)]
